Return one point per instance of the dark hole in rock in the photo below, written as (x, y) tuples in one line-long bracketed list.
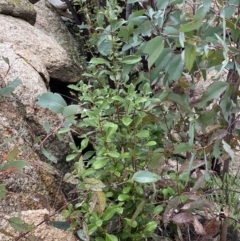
[(70, 96), (61, 87)]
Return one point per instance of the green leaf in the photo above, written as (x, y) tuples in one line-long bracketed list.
[(111, 237), (93, 184), (12, 154), (182, 147), (19, 225), (14, 164), (117, 24), (154, 48), (151, 143), (63, 225), (151, 226), (52, 101), (178, 100), (99, 61), (145, 177), (127, 120), (201, 11), (3, 191), (143, 134), (130, 59), (131, 223), (10, 88), (213, 92), (109, 213), (64, 130), (70, 110), (49, 155), (195, 24), (100, 162), (6, 60), (189, 56), (158, 209), (174, 70), (46, 126), (71, 157), (113, 154), (111, 129), (123, 197)]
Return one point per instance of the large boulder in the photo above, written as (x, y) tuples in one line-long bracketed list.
[(37, 48), (20, 9)]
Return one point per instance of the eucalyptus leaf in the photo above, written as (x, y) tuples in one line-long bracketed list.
[(52, 101), (145, 177)]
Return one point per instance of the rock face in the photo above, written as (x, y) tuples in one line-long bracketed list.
[(32, 54), (20, 9), (42, 232)]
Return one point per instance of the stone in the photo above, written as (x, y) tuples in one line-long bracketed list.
[(20, 9)]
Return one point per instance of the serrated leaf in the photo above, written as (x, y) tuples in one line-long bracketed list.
[(52, 101), (145, 177)]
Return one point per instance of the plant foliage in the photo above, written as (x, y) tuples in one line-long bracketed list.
[(140, 111)]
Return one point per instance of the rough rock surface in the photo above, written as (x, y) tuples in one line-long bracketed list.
[(34, 46), (32, 54), (20, 9), (47, 14), (37, 177), (43, 230)]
